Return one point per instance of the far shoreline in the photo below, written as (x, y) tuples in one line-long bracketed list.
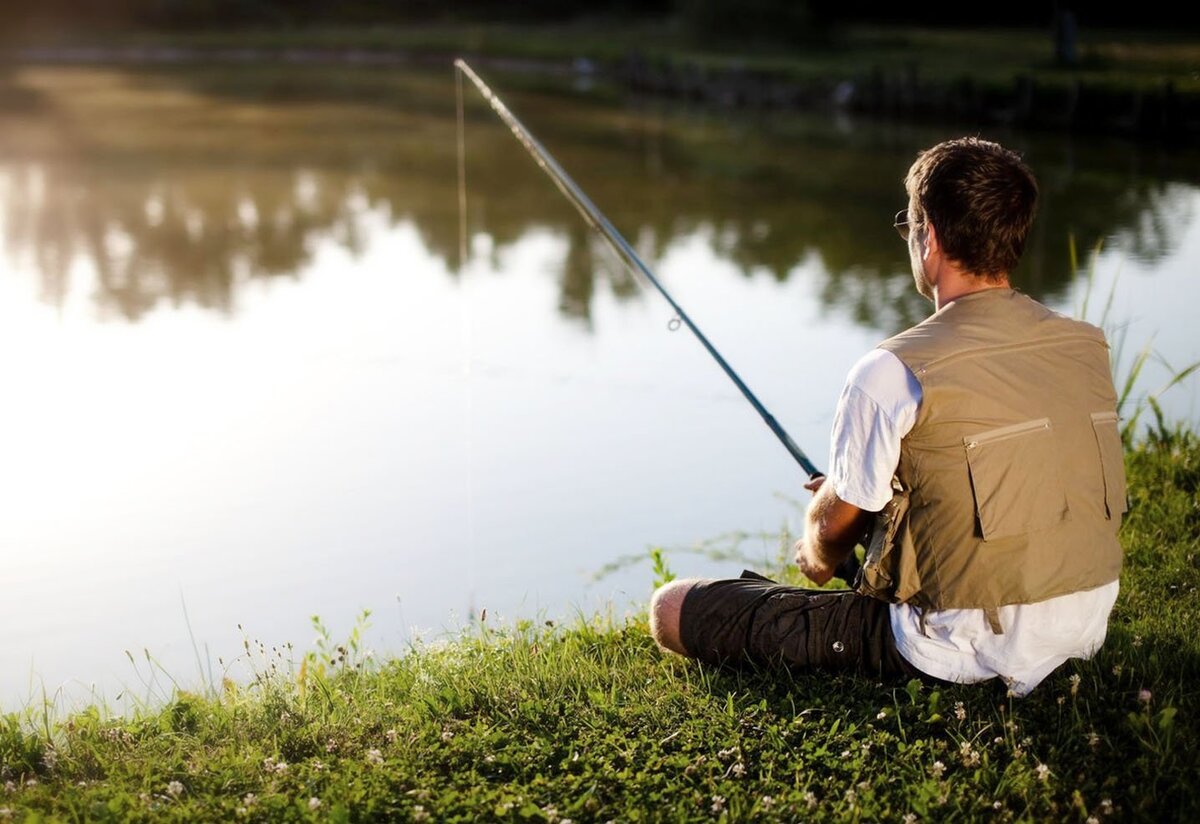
[(1152, 96)]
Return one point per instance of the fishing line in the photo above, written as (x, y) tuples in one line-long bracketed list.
[(467, 339), (462, 173), (596, 219)]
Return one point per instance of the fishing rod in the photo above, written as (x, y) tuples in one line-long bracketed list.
[(596, 219)]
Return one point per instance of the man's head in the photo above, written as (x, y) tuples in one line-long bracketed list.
[(980, 199)]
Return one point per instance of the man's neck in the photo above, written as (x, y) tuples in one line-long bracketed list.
[(960, 284)]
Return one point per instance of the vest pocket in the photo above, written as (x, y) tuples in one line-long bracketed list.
[(1016, 479), (1112, 461)]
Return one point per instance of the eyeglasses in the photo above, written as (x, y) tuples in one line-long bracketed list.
[(900, 224)]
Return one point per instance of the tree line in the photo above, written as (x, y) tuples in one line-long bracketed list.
[(727, 19)]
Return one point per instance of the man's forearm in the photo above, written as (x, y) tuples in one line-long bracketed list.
[(832, 528), (826, 553)]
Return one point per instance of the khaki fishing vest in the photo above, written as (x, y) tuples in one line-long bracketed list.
[(1011, 484)]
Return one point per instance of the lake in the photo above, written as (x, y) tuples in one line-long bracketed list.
[(250, 376)]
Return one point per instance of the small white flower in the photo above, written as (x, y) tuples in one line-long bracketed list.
[(1093, 739), (420, 813), (1116, 670), (317, 766), (718, 804), (851, 796), (1144, 695), (551, 812), (725, 755), (1137, 640), (314, 803), (1091, 819), (998, 740), (1060, 700), (175, 789), (391, 736), (49, 758), (910, 818), (960, 711), (810, 799), (31, 782), (767, 802), (882, 715), (447, 735), (1106, 806), (374, 757), (249, 800), (997, 805), (970, 757), (937, 769), (331, 745), (738, 769), (865, 747), (845, 753), (1043, 772), (1075, 679)]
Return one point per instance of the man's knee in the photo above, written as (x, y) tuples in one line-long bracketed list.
[(665, 607)]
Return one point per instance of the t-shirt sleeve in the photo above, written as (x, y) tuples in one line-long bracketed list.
[(877, 408)]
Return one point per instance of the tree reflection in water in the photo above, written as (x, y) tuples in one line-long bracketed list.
[(178, 186)]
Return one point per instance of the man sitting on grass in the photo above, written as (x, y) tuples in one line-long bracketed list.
[(980, 449)]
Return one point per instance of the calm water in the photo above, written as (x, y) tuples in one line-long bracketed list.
[(248, 377)]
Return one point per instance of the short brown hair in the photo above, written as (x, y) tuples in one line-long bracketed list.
[(980, 196)]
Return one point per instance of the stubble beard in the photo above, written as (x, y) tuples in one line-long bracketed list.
[(924, 288)]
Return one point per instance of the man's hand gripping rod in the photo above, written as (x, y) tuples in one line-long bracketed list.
[(596, 219)]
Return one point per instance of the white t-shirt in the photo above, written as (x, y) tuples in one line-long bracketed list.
[(877, 408)]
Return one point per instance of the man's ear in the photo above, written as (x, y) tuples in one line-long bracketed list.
[(930, 240)]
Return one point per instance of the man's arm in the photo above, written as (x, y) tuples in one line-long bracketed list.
[(832, 529)]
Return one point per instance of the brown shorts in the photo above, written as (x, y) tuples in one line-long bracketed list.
[(754, 619)]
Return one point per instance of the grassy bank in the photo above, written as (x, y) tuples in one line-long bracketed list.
[(991, 57), (591, 722)]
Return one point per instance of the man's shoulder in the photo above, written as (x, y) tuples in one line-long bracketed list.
[(875, 365), (882, 376), (984, 320)]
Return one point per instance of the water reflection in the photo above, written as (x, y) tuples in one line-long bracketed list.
[(179, 186), (277, 449)]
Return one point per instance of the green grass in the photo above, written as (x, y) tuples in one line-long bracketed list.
[(591, 722)]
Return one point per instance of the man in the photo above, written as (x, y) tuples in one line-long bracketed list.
[(980, 451)]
